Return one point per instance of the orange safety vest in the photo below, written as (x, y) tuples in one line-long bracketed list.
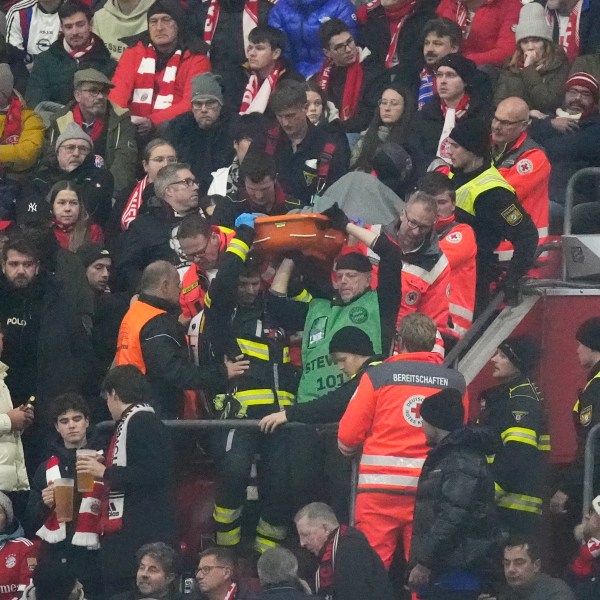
[(384, 416), (129, 348), (527, 168), (195, 281), (457, 241)]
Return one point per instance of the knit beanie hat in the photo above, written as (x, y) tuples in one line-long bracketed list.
[(207, 86), (351, 340), (169, 7), (473, 135), (533, 23), (89, 253), (522, 351), (444, 410), (392, 161), (53, 579), (7, 81), (73, 132), (589, 334), (464, 67), (585, 80), (354, 261), (7, 507)]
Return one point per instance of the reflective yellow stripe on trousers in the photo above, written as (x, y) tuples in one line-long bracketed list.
[(520, 502)]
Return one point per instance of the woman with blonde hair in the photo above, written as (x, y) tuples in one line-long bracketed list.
[(539, 67), (70, 221)]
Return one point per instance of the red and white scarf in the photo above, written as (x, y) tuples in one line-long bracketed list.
[(397, 17), (256, 97), (77, 54), (114, 502), (324, 574), (11, 132), (569, 40), (231, 592), (144, 101), (352, 86), (87, 525), (451, 115), (97, 126), (249, 20), (132, 208), (462, 17)]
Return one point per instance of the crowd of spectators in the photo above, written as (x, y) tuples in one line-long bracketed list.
[(140, 142)]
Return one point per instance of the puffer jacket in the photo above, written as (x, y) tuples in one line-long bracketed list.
[(300, 21), (13, 475), (454, 524)]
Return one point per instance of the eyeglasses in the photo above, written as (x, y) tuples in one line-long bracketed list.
[(200, 253), (506, 123), (209, 104), (583, 93), (349, 43), (188, 182), (208, 568), (71, 148), (94, 93), (412, 224), (394, 103)]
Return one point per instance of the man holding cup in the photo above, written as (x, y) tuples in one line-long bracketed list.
[(62, 512)]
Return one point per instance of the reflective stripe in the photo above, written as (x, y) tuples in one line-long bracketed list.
[(395, 480), (345, 449), (260, 351), (461, 311), (376, 460), (229, 538), (286, 354), (520, 502), (520, 434), (207, 301), (427, 276), (544, 443), (458, 329), (255, 397), (238, 247), (226, 515), (285, 398), (504, 255), (490, 458), (277, 532), (303, 296), (261, 544), (542, 232)]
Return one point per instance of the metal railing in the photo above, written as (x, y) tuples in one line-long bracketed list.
[(588, 467)]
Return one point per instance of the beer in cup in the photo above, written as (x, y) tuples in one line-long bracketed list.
[(85, 481), (63, 498)]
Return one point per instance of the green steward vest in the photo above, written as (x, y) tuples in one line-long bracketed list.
[(467, 194), (319, 373)]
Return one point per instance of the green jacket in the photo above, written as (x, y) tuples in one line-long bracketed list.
[(121, 148), (543, 90)]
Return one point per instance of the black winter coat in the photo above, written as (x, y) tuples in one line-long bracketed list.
[(454, 526), (282, 592)]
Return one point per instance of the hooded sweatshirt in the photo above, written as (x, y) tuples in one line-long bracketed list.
[(112, 25)]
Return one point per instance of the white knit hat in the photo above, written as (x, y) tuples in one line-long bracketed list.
[(533, 23)]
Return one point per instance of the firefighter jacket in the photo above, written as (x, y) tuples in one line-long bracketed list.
[(196, 280), (457, 242), (152, 339), (231, 329), (514, 413), (487, 202), (383, 416), (527, 169)]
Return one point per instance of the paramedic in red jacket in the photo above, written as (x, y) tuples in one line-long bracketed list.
[(383, 417)]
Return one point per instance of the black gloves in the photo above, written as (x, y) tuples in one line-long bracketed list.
[(337, 217)]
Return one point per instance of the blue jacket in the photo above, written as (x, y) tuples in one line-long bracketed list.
[(300, 21)]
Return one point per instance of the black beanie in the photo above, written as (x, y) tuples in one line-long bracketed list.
[(53, 579), (588, 334), (172, 8), (351, 340), (473, 135), (522, 351), (354, 261), (392, 161), (464, 67), (89, 253), (444, 410)]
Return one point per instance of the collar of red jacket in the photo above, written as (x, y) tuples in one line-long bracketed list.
[(427, 357)]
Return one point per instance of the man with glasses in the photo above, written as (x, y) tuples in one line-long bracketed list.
[(524, 164), (108, 125), (351, 77), (215, 575), (202, 137), (76, 48)]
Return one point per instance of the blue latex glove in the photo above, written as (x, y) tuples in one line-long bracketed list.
[(357, 221), (245, 219)]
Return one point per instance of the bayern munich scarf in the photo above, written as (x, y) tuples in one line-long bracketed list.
[(144, 101), (451, 115), (249, 20), (77, 54), (324, 575), (97, 126), (87, 525), (397, 17), (113, 504), (11, 132), (132, 208), (352, 86), (256, 97), (570, 40), (462, 17)]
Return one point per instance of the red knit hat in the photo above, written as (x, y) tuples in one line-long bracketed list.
[(585, 80)]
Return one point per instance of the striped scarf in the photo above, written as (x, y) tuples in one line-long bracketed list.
[(249, 20), (451, 115), (426, 88), (77, 54), (397, 17), (134, 204), (256, 97), (146, 82), (570, 40), (462, 18)]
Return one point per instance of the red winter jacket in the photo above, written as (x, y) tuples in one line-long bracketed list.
[(124, 81), (491, 39)]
